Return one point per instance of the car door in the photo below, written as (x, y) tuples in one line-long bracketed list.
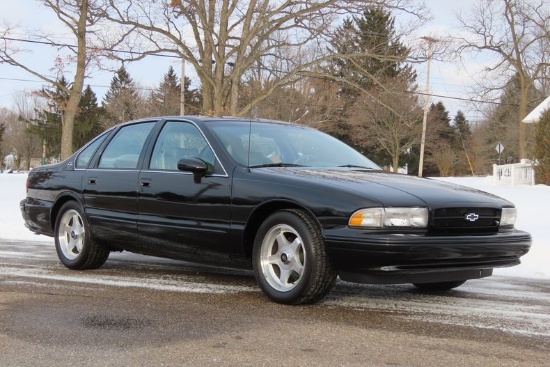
[(178, 217), (110, 187)]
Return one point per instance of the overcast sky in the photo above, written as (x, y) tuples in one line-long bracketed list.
[(446, 79)]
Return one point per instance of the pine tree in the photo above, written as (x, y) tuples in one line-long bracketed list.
[(378, 37), (439, 124), (48, 123), (462, 126), (122, 101), (89, 117), (462, 143), (440, 153), (502, 126), (347, 41), (378, 113), (193, 99), (165, 100), (379, 53)]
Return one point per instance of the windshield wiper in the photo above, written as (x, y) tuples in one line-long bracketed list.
[(354, 166), (276, 165)]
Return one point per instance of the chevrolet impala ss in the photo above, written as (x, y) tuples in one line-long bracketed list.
[(290, 202)]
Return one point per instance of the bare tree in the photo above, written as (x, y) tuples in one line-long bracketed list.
[(223, 39), (6, 116), (444, 158), (76, 17), (17, 140), (516, 33), (323, 102), (394, 125)]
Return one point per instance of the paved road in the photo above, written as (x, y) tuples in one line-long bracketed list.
[(143, 311)]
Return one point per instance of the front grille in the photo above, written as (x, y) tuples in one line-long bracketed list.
[(465, 220)]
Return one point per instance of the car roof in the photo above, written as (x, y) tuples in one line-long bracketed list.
[(209, 119)]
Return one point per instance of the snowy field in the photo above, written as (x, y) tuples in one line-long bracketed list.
[(532, 203)]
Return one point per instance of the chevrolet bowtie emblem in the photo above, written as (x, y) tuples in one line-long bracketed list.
[(471, 217)]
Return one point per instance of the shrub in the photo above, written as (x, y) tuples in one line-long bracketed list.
[(542, 149)]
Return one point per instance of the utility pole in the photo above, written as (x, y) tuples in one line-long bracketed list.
[(430, 41)]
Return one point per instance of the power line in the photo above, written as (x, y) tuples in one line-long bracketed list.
[(50, 43), (43, 82), (462, 99)]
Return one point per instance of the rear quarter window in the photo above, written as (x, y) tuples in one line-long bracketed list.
[(86, 155)]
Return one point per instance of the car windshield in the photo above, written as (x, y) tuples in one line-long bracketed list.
[(274, 144)]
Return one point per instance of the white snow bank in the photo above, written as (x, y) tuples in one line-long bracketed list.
[(532, 202), (12, 191)]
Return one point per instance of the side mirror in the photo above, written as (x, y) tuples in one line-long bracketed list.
[(197, 166)]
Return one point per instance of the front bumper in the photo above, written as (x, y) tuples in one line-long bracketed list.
[(419, 258)]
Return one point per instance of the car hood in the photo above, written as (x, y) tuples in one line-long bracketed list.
[(395, 189)]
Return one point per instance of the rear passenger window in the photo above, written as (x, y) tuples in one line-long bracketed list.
[(124, 150)]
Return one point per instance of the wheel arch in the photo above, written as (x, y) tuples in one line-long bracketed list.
[(59, 202), (261, 213)]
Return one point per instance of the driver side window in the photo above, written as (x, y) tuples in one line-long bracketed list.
[(179, 140)]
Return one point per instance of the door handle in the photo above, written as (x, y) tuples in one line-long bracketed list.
[(145, 184), (92, 181)]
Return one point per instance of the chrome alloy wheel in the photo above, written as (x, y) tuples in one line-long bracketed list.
[(282, 257), (71, 234)]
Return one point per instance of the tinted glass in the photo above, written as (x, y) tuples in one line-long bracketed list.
[(86, 155), (272, 143), (179, 140), (125, 148)]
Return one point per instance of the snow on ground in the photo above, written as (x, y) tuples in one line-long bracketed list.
[(12, 226), (532, 202)]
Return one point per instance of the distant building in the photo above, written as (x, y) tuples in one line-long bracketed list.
[(534, 116)]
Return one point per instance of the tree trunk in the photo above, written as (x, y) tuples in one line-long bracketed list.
[(67, 128), (395, 159), (71, 109), (234, 97)]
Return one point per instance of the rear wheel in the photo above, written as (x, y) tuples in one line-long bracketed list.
[(73, 243), (290, 259), (441, 286)]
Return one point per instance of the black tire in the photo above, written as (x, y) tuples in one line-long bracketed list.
[(290, 259), (73, 243), (439, 287)]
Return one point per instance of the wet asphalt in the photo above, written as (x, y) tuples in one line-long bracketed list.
[(143, 311)]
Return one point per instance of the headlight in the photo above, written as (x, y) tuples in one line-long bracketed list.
[(390, 217), (508, 216)]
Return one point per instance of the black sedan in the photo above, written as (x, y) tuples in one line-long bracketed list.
[(294, 204)]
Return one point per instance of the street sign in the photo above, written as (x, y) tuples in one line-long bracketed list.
[(499, 148)]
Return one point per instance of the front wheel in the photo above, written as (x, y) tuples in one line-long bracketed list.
[(441, 286), (73, 243), (290, 260)]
